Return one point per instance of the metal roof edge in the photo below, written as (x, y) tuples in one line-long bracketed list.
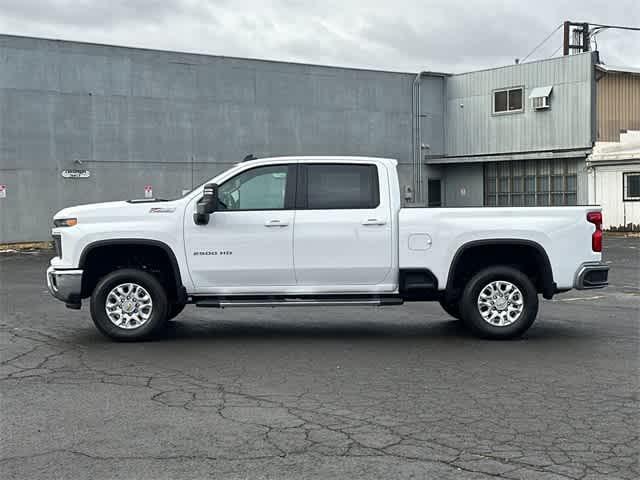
[(551, 59), (539, 155), (618, 69), (213, 55)]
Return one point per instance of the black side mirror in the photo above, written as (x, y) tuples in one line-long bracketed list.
[(207, 204)]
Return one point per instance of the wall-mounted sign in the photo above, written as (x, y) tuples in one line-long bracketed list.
[(148, 191), (3, 191), (76, 173)]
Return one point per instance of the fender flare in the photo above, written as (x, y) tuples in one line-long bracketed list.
[(181, 291), (548, 285)]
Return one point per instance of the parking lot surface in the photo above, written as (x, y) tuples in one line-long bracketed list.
[(398, 392)]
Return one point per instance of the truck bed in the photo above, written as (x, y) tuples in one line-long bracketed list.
[(433, 236)]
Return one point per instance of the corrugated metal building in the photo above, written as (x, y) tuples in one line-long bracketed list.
[(614, 165), (614, 181), (516, 135), (618, 105), (501, 148)]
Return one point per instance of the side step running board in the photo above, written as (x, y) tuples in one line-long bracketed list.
[(299, 301)]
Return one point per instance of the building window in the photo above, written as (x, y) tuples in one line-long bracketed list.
[(530, 183), (631, 186), (508, 100)]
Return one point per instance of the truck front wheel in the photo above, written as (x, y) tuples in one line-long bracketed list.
[(175, 309), (452, 308), (129, 305), (499, 303)]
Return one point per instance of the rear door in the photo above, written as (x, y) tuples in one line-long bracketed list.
[(342, 233)]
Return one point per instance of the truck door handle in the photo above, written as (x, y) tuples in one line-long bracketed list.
[(374, 221), (276, 223)]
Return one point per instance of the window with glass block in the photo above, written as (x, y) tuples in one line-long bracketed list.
[(530, 183)]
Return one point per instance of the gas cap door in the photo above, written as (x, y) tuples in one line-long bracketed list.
[(420, 241)]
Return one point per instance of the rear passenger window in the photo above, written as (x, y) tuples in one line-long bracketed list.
[(336, 186)]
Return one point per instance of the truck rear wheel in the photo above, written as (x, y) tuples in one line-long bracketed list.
[(129, 305), (499, 303)]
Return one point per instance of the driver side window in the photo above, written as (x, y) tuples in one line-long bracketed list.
[(261, 188)]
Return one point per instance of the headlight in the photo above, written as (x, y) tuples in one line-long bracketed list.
[(65, 222)]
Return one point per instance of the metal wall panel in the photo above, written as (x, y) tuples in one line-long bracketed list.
[(618, 104), (472, 129), (609, 193), (463, 185), (136, 117)]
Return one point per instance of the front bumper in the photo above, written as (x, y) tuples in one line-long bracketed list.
[(592, 275), (65, 285)]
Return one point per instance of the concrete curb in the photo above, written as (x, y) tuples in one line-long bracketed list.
[(22, 246)]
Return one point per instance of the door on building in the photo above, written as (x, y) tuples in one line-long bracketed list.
[(435, 193), (249, 241), (343, 225)]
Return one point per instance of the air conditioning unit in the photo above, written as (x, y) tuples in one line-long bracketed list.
[(540, 97), (540, 103)]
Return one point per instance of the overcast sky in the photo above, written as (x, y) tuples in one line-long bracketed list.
[(403, 35)]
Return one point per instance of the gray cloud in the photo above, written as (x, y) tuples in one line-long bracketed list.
[(407, 35), (98, 13)]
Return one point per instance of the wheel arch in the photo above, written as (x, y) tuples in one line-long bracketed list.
[(180, 289), (546, 284)]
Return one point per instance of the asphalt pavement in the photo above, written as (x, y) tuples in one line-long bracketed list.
[(357, 393)]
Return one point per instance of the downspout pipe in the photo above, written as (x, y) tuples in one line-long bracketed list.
[(416, 137), (417, 145), (418, 196)]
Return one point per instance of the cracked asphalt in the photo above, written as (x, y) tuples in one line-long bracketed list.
[(395, 392)]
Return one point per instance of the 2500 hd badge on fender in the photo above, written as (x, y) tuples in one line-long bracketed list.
[(314, 231)]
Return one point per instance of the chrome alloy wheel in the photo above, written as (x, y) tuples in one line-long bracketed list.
[(128, 306), (500, 303)]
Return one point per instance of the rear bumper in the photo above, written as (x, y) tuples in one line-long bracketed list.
[(65, 285), (592, 275)]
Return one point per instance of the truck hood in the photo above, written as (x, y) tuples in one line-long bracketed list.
[(116, 211), (90, 208)]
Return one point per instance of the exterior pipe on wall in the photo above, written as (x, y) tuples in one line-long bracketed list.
[(417, 136), (417, 140)]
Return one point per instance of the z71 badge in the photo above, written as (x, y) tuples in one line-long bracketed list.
[(213, 252)]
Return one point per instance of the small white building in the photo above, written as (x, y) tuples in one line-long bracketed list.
[(613, 170)]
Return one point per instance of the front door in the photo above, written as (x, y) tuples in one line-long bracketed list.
[(343, 226), (248, 242)]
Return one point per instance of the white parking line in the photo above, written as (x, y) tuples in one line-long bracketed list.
[(595, 297)]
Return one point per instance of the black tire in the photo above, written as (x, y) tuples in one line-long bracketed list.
[(175, 309), (472, 316), (452, 308), (159, 306)]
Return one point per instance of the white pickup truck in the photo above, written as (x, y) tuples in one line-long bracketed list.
[(314, 231)]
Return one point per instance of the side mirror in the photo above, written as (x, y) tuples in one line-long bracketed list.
[(207, 204)]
